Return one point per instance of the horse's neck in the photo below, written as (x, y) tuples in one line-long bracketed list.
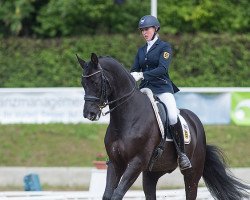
[(123, 88), (122, 85), (127, 108)]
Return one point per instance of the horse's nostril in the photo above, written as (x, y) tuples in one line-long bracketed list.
[(92, 115)]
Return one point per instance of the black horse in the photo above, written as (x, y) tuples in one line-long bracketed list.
[(133, 134)]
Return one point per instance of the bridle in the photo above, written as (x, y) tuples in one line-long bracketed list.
[(102, 101)]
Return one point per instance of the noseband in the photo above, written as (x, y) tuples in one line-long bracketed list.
[(102, 101)]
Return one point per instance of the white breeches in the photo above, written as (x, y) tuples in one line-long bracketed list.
[(169, 100)]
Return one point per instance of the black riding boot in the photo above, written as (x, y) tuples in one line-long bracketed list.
[(177, 133)]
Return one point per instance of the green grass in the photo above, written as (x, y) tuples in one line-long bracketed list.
[(234, 141), (50, 144), (77, 144)]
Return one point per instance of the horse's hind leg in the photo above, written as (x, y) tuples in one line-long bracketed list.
[(150, 180), (191, 180)]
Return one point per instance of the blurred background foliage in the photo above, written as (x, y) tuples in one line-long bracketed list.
[(39, 39), (53, 18)]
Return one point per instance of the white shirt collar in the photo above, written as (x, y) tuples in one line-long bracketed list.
[(151, 42)]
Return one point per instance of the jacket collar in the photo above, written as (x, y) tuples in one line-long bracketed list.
[(153, 47), (151, 42)]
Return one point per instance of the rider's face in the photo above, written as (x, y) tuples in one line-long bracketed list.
[(148, 33)]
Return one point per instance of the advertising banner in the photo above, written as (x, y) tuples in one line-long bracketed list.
[(43, 106), (211, 108), (240, 110), (65, 105)]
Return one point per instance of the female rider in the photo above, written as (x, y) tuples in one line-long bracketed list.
[(151, 64)]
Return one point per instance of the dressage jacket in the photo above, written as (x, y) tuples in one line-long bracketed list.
[(155, 64)]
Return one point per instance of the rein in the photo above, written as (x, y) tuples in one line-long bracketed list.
[(103, 99)]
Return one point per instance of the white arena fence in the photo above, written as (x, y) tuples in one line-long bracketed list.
[(177, 194), (95, 192), (65, 105)]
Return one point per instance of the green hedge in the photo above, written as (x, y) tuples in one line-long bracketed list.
[(199, 59)]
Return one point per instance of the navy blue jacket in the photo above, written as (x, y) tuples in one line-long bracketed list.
[(155, 65)]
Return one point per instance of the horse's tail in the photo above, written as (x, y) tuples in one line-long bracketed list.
[(219, 180)]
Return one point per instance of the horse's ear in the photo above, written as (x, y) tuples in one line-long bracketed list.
[(81, 61), (94, 59)]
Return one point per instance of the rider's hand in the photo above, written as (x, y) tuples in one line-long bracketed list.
[(137, 75)]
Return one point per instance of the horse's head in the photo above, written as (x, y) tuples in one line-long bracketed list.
[(94, 83)]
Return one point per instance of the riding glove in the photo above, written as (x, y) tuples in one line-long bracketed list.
[(137, 75)]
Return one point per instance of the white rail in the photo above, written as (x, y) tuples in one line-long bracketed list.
[(79, 89), (214, 89), (178, 194)]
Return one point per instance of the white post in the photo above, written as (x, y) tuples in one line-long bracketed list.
[(97, 182), (154, 8)]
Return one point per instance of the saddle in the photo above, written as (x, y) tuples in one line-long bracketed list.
[(161, 115)]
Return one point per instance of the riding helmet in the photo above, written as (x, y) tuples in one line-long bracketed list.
[(149, 21)]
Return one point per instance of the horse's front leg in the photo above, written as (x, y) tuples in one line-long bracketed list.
[(112, 180), (131, 173)]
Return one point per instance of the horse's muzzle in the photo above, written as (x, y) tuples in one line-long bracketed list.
[(92, 116)]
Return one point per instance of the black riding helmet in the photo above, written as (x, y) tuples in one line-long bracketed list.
[(149, 21)]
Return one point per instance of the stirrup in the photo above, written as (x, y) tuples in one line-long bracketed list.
[(184, 162)]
